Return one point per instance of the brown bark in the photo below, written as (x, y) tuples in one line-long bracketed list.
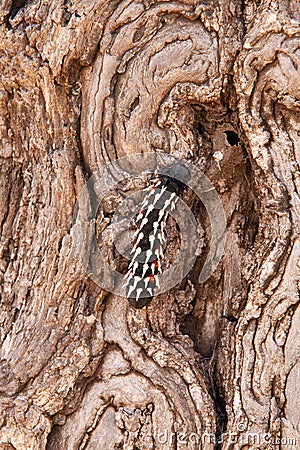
[(84, 83)]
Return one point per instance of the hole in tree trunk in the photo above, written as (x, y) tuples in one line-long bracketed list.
[(232, 138)]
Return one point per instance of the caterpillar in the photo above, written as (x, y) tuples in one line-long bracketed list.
[(160, 198)]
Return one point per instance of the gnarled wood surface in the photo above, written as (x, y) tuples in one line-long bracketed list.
[(213, 365)]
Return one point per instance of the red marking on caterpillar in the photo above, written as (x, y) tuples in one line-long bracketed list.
[(151, 278)]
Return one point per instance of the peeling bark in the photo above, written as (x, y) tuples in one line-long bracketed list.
[(212, 365)]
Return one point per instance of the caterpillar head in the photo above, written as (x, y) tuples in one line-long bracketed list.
[(177, 170), (175, 177)]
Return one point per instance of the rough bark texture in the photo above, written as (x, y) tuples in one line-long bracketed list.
[(83, 83)]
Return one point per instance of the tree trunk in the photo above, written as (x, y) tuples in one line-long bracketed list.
[(205, 365)]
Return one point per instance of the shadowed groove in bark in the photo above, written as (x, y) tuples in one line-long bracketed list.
[(16, 6)]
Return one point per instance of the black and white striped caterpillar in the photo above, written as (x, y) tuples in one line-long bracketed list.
[(160, 198)]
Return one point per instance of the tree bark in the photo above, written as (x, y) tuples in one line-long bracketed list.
[(211, 365)]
